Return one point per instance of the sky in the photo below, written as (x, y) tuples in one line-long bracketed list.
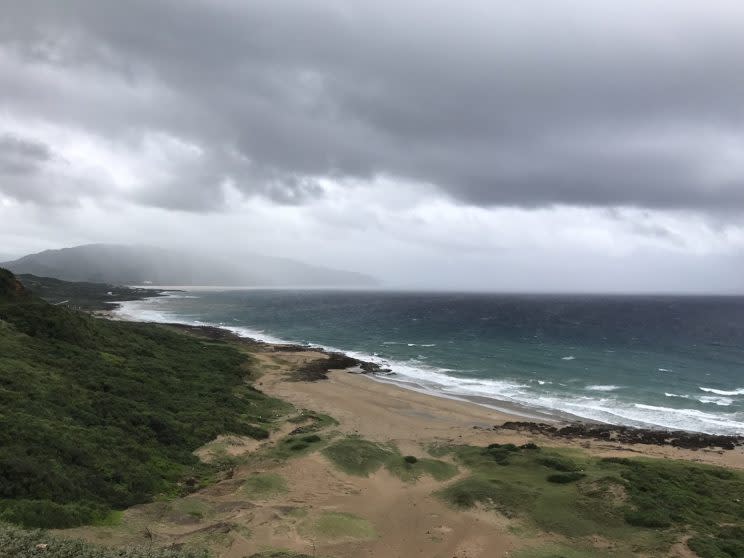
[(568, 145)]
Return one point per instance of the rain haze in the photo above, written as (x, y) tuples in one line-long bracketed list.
[(561, 146)]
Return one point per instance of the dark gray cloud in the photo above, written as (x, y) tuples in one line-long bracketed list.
[(490, 103), (22, 157)]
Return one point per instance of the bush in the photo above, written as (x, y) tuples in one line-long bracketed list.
[(648, 518), (558, 463), (410, 459), (565, 478)]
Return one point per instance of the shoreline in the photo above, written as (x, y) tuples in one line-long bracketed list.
[(525, 402), (319, 372), (515, 412)]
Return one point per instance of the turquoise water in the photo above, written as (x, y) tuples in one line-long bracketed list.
[(673, 362)]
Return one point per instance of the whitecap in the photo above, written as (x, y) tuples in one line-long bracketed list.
[(599, 387), (720, 401), (739, 391), (571, 357)]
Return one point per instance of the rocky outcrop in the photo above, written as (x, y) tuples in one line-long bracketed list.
[(627, 435)]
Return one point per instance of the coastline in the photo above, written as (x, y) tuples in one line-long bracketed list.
[(512, 410), (565, 394), (274, 492), (330, 389)]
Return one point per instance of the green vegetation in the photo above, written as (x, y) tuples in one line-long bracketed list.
[(411, 471), (295, 446), (21, 543), (263, 486), (333, 525), (85, 296), (639, 505), (311, 422), (555, 551), (565, 478), (279, 554), (98, 415), (359, 457), (356, 456)]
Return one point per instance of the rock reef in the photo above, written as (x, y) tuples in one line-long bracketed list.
[(627, 435)]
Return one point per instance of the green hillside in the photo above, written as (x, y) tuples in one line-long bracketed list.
[(98, 415)]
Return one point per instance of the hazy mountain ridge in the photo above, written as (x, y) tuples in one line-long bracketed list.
[(121, 264)]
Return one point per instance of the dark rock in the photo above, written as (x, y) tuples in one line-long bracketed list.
[(628, 435)]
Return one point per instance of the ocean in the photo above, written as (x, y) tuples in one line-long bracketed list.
[(649, 361)]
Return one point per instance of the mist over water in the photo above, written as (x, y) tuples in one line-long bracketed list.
[(672, 362)]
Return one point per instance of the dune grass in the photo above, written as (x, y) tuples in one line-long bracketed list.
[(314, 422), (359, 457), (411, 471), (295, 446), (20, 543), (646, 504), (264, 486), (279, 554), (336, 525)]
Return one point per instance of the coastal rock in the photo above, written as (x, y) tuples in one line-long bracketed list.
[(318, 369), (628, 435)]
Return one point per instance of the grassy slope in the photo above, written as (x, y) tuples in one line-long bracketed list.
[(22, 543), (98, 415)]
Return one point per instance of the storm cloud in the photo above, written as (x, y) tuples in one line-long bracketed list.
[(488, 103)]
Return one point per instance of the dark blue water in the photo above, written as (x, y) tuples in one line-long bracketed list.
[(675, 362)]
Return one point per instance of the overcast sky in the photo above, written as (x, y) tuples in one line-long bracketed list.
[(551, 145)]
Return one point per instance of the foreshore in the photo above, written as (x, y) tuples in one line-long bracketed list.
[(374, 407)]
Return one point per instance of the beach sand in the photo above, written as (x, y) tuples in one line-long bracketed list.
[(382, 411), (388, 517)]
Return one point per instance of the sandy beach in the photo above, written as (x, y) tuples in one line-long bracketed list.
[(383, 411)]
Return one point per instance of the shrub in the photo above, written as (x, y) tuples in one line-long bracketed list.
[(565, 478), (410, 459), (558, 463)]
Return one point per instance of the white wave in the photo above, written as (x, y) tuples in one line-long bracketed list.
[(571, 357), (675, 395), (600, 387), (739, 391), (409, 344), (664, 370), (720, 401)]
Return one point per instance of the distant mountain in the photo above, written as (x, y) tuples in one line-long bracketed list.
[(137, 265)]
